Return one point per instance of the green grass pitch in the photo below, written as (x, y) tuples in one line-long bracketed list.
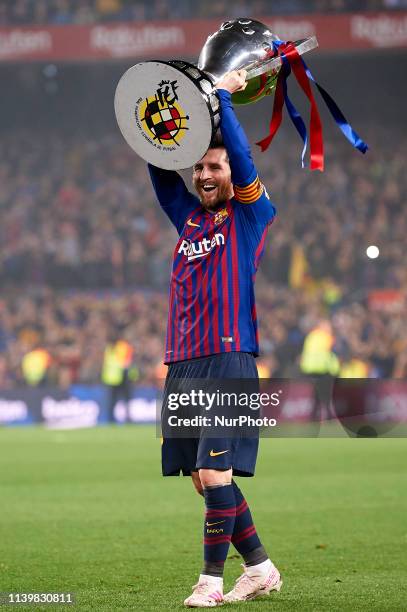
[(88, 512)]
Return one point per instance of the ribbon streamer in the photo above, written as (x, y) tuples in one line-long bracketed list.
[(337, 114), (294, 114), (292, 60)]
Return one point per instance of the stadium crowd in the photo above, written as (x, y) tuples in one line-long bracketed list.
[(81, 214), (63, 12), (85, 251)]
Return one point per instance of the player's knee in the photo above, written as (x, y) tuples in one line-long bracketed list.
[(197, 482), (211, 478)]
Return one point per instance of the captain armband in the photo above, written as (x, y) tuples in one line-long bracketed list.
[(251, 193)]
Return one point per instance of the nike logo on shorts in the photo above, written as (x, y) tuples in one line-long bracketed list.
[(215, 454)]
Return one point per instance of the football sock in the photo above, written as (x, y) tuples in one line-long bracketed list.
[(218, 527), (260, 569), (244, 537)]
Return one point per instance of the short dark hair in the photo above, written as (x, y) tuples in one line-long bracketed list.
[(217, 143), (217, 140)]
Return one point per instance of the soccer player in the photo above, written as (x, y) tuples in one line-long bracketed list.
[(212, 334)]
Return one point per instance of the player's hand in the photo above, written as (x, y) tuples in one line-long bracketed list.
[(233, 81)]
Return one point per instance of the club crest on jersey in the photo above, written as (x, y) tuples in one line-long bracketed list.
[(193, 250), (220, 216)]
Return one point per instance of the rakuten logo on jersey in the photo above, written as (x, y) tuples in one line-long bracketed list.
[(193, 250)]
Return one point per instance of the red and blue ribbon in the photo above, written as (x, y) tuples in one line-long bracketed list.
[(292, 61)]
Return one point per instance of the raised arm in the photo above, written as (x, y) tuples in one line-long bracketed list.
[(236, 143), (247, 186), (174, 198)]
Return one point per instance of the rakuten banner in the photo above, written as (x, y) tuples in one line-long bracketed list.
[(185, 38)]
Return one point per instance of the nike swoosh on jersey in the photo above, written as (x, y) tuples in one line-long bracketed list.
[(215, 454), (191, 224), (217, 523)]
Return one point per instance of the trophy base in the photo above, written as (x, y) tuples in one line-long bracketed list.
[(167, 112)]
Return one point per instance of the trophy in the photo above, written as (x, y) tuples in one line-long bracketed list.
[(169, 113)]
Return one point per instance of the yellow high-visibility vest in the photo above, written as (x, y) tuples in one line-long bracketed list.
[(34, 366), (316, 356), (112, 370), (117, 358), (355, 368)]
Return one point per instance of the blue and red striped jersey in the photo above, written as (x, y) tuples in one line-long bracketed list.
[(212, 303)]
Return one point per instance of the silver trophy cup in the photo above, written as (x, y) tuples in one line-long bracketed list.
[(168, 112)]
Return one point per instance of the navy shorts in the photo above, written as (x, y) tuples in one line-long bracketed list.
[(186, 455)]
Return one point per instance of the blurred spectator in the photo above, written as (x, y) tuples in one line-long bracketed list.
[(317, 357), (354, 368), (62, 12), (118, 372), (107, 9), (320, 363), (35, 366)]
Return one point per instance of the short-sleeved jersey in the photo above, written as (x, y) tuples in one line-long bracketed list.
[(212, 303)]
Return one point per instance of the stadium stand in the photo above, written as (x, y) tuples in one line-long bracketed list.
[(81, 255), (65, 12)]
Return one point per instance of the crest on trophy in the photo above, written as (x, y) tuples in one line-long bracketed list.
[(162, 117)]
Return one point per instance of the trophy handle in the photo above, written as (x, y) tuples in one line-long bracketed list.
[(255, 69)]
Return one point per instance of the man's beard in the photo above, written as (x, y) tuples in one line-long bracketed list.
[(223, 196)]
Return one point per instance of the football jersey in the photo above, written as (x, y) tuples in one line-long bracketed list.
[(212, 303)]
